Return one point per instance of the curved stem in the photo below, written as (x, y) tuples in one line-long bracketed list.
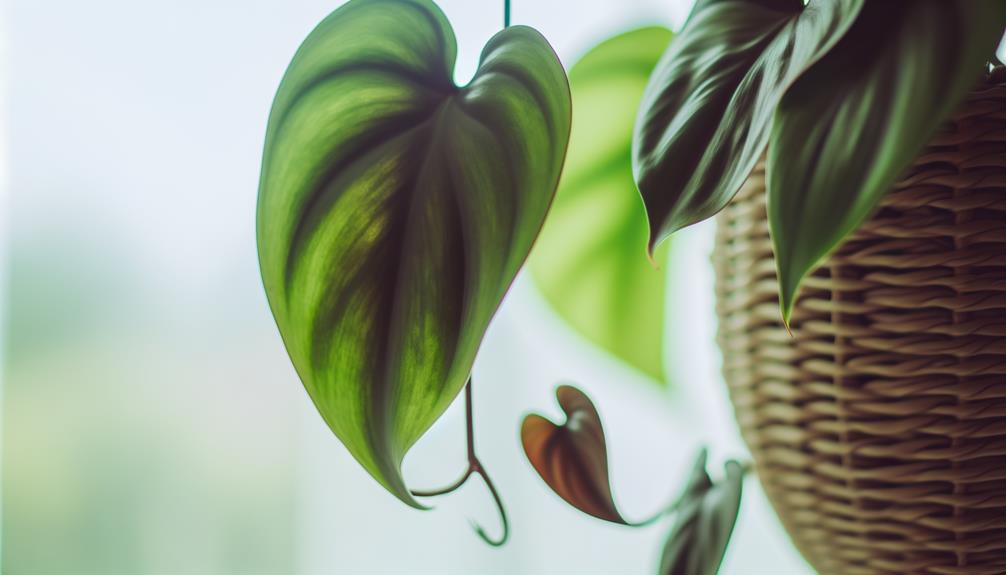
[(499, 507), (746, 467), (444, 490), (474, 467), (666, 510)]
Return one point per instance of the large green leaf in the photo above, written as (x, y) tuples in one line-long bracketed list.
[(395, 209), (705, 117), (851, 125), (590, 260)]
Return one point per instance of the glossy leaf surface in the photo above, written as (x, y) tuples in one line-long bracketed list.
[(572, 458), (590, 261), (705, 521), (706, 114), (852, 124), (395, 209)]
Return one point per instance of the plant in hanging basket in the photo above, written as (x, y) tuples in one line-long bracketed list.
[(838, 95), (869, 137)]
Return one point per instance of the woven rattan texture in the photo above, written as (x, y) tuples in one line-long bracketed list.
[(879, 428)]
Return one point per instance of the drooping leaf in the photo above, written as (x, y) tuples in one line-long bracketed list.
[(705, 521), (852, 124), (572, 458), (395, 209), (590, 260), (706, 113)]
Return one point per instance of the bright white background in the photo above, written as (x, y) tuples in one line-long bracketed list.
[(152, 422)]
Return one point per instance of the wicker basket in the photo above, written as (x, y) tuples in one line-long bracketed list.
[(879, 428)]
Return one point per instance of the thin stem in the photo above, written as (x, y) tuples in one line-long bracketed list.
[(506, 13), (499, 507), (673, 506), (469, 422), (474, 467), (666, 510), (444, 490)]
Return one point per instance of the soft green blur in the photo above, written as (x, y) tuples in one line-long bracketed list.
[(129, 446), (590, 260)]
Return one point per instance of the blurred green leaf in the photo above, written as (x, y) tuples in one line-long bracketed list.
[(853, 123), (705, 117), (590, 261), (705, 522), (395, 209)]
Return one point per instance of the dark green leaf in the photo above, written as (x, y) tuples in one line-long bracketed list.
[(395, 209), (705, 117), (572, 458), (705, 521), (590, 260), (851, 125)]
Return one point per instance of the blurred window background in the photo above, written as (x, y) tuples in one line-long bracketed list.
[(151, 421)]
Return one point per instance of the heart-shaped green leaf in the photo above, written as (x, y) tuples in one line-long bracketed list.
[(705, 521), (850, 126), (395, 209), (572, 458), (590, 260), (705, 117)]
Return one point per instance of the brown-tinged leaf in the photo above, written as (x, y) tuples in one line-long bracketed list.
[(572, 458)]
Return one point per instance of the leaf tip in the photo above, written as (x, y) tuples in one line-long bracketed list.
[(787, 311), (412, 502), (652, 245), (789, 286), (651, 259)]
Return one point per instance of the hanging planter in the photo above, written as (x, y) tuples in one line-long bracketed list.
[(860, 260), (879, 426)]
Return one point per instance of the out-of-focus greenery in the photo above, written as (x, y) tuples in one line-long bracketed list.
[(590, 260), (127, 447)]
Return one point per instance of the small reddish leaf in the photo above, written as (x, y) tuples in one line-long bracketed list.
[(572, 458)]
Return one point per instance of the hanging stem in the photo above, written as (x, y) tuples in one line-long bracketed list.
[(674, 506), (663, 511), (474, 467), (506, 13), (659, 514)]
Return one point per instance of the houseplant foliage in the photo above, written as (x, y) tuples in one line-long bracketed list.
[(704, 118), (572, 459), (904, 68), (746, 76), (704, 523), (395, 209), (589, 261)]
